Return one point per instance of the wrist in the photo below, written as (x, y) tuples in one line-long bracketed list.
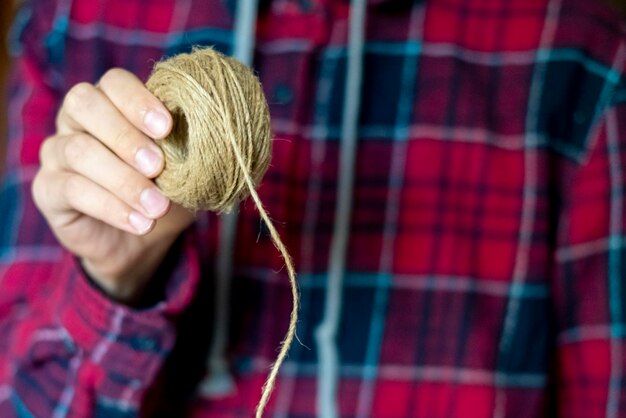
[(127, 283)]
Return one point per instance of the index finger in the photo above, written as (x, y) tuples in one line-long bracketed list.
[(136, 103), (88, 109)]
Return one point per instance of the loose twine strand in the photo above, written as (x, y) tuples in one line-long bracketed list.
[(219, 149)]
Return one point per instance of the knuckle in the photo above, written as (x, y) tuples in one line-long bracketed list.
[(75, 149), (129, 189), (115, 213), (123, 138), (58, 120), (143, 102), (108, 207), (72, 187), (80, 96), (45, 151), (37, 189), (112, 77), (126, 143), (43, 188)]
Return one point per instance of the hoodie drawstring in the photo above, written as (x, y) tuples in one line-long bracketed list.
[(326, 333)]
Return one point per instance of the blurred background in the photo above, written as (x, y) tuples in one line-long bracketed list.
[(7, 11), (7, 8), (620, 5)]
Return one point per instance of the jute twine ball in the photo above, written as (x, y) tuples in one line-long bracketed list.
[(219, 149), (218, 108)]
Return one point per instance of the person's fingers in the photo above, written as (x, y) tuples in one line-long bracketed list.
[(84, 155), (176, 220), (87, 109), (136, 103), (61, 196)]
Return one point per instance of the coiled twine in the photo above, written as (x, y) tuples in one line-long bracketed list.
[(220, 117), (219, 148)]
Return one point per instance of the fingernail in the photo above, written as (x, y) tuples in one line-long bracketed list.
[(139, 222), (156, 122), (148, 161), (153, 201)]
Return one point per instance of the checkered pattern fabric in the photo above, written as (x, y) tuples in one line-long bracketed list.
[(485, 271)]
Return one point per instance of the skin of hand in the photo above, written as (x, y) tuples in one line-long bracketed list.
[(94, 185)]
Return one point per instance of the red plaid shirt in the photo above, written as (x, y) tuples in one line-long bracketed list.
[(485, 267)]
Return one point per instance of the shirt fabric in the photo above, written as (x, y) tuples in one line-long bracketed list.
[(485, 268)]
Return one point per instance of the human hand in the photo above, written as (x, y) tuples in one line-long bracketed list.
[(94, 185)]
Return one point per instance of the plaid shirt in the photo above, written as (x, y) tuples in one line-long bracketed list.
[(485, 264)]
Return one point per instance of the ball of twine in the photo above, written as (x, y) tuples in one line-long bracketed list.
[(220, 117), (219, 148)]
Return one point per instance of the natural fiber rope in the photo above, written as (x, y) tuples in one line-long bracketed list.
[(219, 148)]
